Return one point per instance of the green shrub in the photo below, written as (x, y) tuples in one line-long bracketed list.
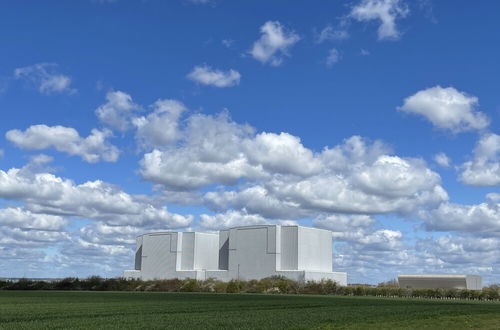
[(68, 283), (274, 284), (233, 286), (490, 293), (22, 284), (220, 287), (171, 285), (92, 283), (190, 285)]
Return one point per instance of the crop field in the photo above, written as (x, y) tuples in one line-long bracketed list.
[(136, 310)]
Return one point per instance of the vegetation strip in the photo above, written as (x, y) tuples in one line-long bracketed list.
[(270, 285)]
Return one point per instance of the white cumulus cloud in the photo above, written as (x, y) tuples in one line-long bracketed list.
[(447, 108), (206, 75), (442, 159), (159, 128), (230, 219), (19, 218), (46, 78), (385, 11), (91, 149), (483, 218), (210, 152), (117, 111), (329, 33), (484, 168), (274, 44), (45, 193)]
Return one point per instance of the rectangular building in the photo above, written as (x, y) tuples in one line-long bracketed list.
[(440, 281), (251, 252)]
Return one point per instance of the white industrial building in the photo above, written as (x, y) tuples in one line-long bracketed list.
[(440, 281), (244, 253)]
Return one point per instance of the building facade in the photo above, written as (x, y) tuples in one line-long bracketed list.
[(251, 252), (440, 281)]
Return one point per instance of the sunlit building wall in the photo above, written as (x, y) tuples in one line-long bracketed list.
[(251, 252)]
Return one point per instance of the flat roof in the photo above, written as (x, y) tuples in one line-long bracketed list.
[(424, 276), (237, 227), (260, 226), (175, 232)]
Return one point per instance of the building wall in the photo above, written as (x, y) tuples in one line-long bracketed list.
[(205, 251), (251, 252), (474, 282), (159, 255), (138, 253), (289, 248), (314, 249), (187, 262), (470, 282), (223, 250)]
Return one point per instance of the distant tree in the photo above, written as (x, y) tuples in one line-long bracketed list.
[(391, 283)]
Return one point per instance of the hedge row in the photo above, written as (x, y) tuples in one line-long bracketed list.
[(267, 285)]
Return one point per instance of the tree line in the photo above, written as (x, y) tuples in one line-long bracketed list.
[(269, 285)]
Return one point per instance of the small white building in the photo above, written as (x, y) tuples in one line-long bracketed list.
[(440, 281), (251, 252)]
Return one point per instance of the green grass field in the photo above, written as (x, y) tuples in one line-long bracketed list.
[(136, 310)]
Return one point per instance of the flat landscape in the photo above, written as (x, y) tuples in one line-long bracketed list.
[(136, 310)]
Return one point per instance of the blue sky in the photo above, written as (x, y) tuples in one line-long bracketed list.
[(376, 119)]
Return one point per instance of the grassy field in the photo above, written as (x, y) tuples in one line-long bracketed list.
[(136, 310)]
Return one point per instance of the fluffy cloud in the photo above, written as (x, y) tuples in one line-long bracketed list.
[(484, 168), (352, 193), (333, 57), (50, 204), (283, 153), (464, 253), (24, 219), (275, 178), (329, 33), (159, 128), (46, 78), (274, 44), (217, 150), (246, 178), (255, 200), (393, 176), (45, 193), (355, 229), (363, 249), (275, 174), (230, 219), (360, 178), (483, 218), (385, 11), (447, 108), (92, 149), (207, 76), (209, 153), (117, 111), (14, 238), (442, 159)]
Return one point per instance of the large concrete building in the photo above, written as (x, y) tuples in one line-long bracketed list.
[(251, 252), (440, 281)]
